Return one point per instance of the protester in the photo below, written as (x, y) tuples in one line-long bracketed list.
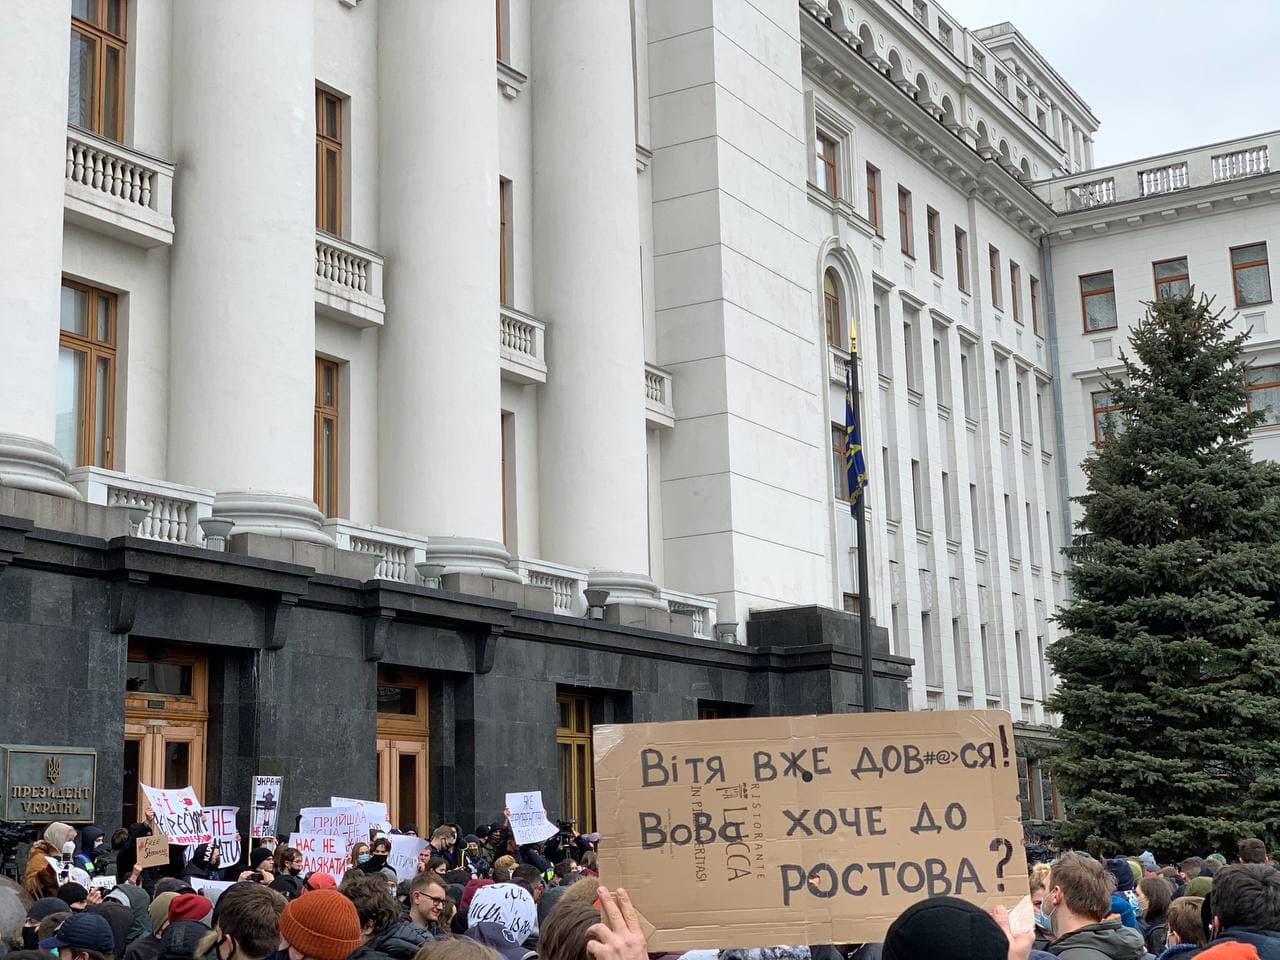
[(1186, 935), (1154, 897), (426, 901), (181, 939), (359, 854), (81, 936), (1124, 901), (42, 908), (382, 933), (286, 868), (40, 879), (247, 925), (320, 926), (1252, 850), (441, 845), (575, 923), (1077, 902), (148, 947), (204, 861), (1246, 913), (459, 949)]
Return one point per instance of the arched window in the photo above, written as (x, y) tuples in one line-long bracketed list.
[(832, 309)]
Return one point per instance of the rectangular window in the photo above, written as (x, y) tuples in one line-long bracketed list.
[(328, 162), (873, 199), (979, 539), (573, 742), (993, 261), (940, 370), (1011, 526), (948, 508), (884, 352), (1264, 392), (84, 427), (95, 86), (500, 11), (892, 505), (918, 495), (1035, 306), (1048, 527), (935, 240), (1250, 274), (1033, 542), (911, 348), (989, 671), (506, 429), (1024, 106), (966, 379), (962, 261), (932, 656), (1105, 421), (964, 665), (839, 476), (1015, 291), (1172, 277), (1024, 425), (504, 241), (904, 222), (1098, 301), (825, 148), (1002, 81), (1002, 413), (326, 442)]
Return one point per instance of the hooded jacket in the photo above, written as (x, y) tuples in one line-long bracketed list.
[(89, 838), (1235, 942), (199, 866), (400, 941), (1181, 951), (40, 879), (1108, 940)]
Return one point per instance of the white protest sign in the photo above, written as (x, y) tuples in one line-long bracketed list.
[(404, 856), (265, 807), (528, 815), (375, 812), (508, 905), (322, 854), (178, 815), (210, 889), (222, 824), (102, 883), (347, 822)]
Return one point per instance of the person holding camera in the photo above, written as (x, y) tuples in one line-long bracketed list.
[(43, 862)]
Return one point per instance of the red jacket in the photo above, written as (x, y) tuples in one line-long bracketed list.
[(1229, 950)]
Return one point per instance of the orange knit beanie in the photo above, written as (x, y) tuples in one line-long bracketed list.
[(323, 925)]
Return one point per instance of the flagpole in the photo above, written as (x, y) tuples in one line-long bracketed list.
[(864, 609)]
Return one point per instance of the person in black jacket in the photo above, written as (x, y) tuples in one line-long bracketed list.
[(383, 934), (204, 861), (288, 869), (1154, 896)]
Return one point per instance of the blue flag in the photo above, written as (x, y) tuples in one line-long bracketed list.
[(855, 465)]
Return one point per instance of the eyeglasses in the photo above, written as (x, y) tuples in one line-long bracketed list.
[(438, 901)]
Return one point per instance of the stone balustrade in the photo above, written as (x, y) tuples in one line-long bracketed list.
[(173, 513), (116, 190), (522, 341), (659, 407), (398, 554), (348, 282)]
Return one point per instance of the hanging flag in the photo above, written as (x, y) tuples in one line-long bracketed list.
[(855, 465)]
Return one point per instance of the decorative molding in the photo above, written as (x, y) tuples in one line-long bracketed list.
[(377, 627), (279, 617), (125, 598)]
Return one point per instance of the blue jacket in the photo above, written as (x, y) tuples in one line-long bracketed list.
[(1180, 951), (1122, 908)]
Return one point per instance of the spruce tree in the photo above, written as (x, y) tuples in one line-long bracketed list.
[(1169, 662)]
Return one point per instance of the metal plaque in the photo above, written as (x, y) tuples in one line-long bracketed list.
[(46, 784)]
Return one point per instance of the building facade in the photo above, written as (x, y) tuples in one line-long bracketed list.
[(505, 347)]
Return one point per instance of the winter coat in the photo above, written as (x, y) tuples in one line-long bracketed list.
[(199, 866), (1181, 951), (89, 838), (128, 855), (1234, 942), (139, 906), (40, 879), (1155, 932), (287, 884), (400, 941), (1123, 908), (144, 948), (118, 917), (1108, 940)]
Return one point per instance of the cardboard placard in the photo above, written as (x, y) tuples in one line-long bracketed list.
[(528, 818), (325, 854), (265, 806), (178, 815), (349, 823), (793, 830), (153, 851)]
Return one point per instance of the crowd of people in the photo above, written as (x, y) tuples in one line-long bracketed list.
[(480, 896)]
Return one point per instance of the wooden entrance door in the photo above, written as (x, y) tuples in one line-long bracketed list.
[(402, 747)]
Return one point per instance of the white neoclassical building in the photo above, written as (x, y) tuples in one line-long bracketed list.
[(560, 292)]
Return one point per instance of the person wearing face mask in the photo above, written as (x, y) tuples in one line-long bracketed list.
[(288, 872), (204, 862), (378, 854), (40, 879), (1186, 936), (1039, 875), (359, 854), (247, 925), (82, 936), (44, 907), (1077, 901)]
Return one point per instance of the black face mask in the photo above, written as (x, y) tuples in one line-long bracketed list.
[(30, 938), (377, 861)]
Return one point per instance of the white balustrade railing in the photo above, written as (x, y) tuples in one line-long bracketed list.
[(115, 189), (1162, 179), (173, 513), (397, 554), (701, 609), (522, 346), (342, 267), (116, 176), (1241, 163), (565, 583), (659, 408), (348, 281), (1095, 193)]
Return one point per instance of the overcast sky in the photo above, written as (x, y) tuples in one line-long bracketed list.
[(1159, 76)]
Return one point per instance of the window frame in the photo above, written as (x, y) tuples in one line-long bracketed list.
[(1093, 403), (327, 499), (993, 266), (1035, 304), (826, 152), (1015, 291), (962, 259), (873, 200), (94, 350), (832, 310), (574, 738), (1162, 281), (104, 39), (906, 233), (504, 239), (1265, 263), (329, 144), (1250, 387), (933, 225), (1085, 295), (839, 475)]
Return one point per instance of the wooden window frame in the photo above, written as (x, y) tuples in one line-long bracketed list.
[(906, 234), (1163, 281), (1265, 262), (832, 310), (573, 737), (1015, 291), (195, 706), (1093, 403), (873, 200), (1085, 295), (840, 476), (325, 144), (94, 350), (1035, 305), (403, 724), (500, 36), (827, 150), (504, 239), (933, 224), (331, 413), (97, 31), (962, 259), (1261, 385), (993, 265)]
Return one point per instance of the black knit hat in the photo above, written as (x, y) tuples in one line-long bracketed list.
[(945, 928)]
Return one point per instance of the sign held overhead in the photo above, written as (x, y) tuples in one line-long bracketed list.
[(820, 829)]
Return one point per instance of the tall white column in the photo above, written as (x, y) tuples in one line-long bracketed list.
[(1088, 153), (439, 375), (242, 384), (33, 150), (587, 287)]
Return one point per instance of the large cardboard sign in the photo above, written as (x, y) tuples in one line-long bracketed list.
[(794, 830), (178, 815), (349, 823), (153, 851), (265, 806), (326, 854)]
